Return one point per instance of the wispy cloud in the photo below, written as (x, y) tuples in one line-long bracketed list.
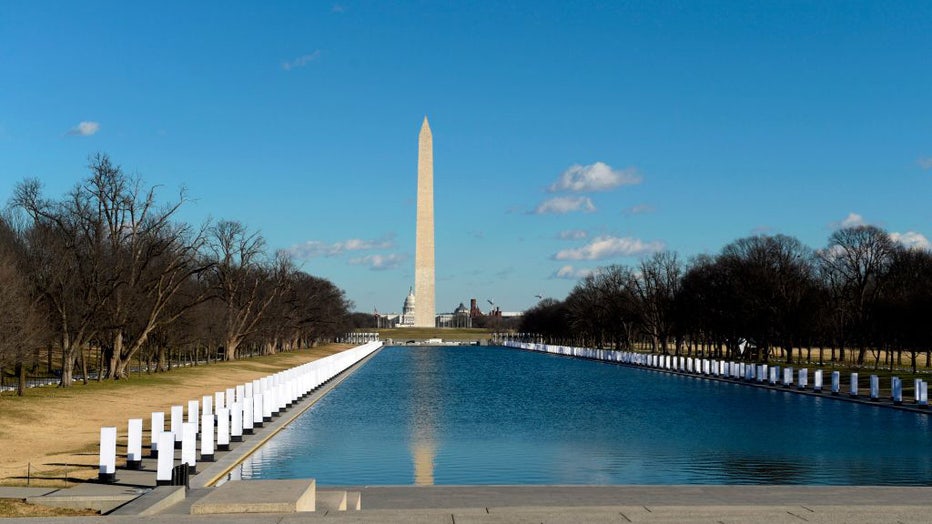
[(573, 234), (86, 128), (594, 177), (610, 247), (912, 240), (316, 248), (571, 273), (563, 205), (379, 262), (301, 61), (337, 8), (640, 209), (925, 162)]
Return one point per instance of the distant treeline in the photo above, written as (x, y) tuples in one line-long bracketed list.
[(109, 267), (862, 293)]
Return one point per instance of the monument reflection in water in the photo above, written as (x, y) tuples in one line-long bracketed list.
[(423, 421), (477, 415)]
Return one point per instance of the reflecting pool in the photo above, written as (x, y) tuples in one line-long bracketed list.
[(490, 415)]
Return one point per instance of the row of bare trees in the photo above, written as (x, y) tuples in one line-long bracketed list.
[(862, 292), (111, 267)]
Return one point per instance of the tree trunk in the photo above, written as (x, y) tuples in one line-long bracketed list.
[(121, 368), (83, 358), (230, 348), (20, 379), (113, 355), (67, 363), (160, 360)]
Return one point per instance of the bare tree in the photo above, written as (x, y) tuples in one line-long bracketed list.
[(548, 318), (21, 326), (113, 248), (602, 306), (854, 263), (588, 315), (772, 287), (656, 286), (150, 258), (904, 305), (67, 268), (242, 280)]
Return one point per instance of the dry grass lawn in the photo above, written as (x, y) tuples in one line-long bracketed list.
[(55, 432), (18, 508)]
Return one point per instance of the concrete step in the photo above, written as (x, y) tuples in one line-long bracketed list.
[(330, 501), (153, 502), (259, 496)]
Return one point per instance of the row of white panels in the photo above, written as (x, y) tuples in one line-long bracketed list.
[(216, 420), (747, 371)]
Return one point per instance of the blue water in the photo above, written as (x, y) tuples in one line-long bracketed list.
[(491, 415)]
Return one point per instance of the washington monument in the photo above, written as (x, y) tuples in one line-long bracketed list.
[(424, 311)]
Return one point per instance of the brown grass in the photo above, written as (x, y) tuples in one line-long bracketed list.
[(51, 435), (18, 508)]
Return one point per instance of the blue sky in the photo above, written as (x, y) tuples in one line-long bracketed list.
[(567, 135)]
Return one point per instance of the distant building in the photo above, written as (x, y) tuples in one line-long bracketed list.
[(461, 317), (407, 311)]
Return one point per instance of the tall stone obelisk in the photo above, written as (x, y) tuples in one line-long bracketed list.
[(424, 311)]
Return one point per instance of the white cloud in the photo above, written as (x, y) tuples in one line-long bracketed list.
[(563, 205), (912, 240), (86, 128), (379, 262), (852, 220), (355, 244), (640, 209), (571, 273), (301, 61), (573, 234), (925, 162), (610, 247), (594, 177), (316, 248)]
